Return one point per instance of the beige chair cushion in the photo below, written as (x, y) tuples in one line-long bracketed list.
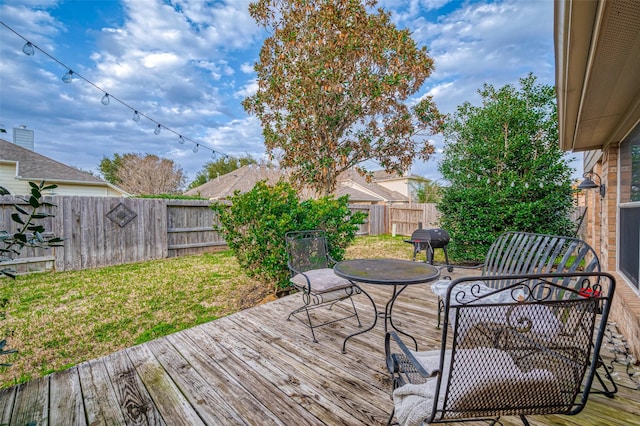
[(322, 280)]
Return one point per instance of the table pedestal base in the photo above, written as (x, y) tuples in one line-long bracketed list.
[(388, 319)]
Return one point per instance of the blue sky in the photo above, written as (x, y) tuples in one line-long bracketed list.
[(188, 64)]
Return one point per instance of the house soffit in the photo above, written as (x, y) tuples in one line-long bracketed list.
[(609, 102)]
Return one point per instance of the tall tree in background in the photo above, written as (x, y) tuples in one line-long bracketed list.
[(143, 174), (426, 191), (333, 89), (505, 169), (222, 166)]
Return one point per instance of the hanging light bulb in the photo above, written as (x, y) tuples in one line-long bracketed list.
[(195, 148), (136, 116), (105, 99), (68, 77), (157, 130), (213, 155), (181, 140), (28, 49)]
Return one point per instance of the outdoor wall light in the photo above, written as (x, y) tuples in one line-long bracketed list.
[(588, 183)]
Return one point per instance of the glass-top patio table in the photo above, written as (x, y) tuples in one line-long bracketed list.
[(386, 272)]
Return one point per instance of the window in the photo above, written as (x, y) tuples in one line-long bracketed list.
[(630, 168), (629, 243)]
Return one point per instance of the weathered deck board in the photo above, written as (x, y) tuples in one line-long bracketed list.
[(66, 405), (256, 368)]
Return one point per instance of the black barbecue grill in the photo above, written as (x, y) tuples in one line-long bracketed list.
[(429, 240)]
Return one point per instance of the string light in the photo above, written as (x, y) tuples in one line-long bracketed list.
[(68, 77), (29, 49)]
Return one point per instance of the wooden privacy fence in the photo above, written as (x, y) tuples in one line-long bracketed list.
[(103, 231), (402, 219)]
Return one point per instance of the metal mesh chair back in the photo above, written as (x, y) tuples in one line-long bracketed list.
[(307, 250), (527, 348)]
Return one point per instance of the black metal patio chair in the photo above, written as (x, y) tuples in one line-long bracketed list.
[(515, 253), (530, 347), (312, 273)]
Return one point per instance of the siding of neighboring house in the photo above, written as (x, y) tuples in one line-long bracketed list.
[(7, 176), (398, 185)]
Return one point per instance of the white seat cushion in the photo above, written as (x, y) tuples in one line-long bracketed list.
[(322, 280)]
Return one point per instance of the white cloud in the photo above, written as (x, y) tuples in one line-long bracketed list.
[(249, 89), (247, 68), (160, 60)]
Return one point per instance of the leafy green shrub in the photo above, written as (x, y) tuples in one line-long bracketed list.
[(505, 169), (28, 234), (254, 224)]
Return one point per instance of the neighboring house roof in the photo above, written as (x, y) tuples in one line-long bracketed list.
[(242, 179), (36, 167), (352, 179), (379, 175), (245, 178), (356, 196)]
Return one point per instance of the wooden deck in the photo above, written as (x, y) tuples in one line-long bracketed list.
[(255, 368)]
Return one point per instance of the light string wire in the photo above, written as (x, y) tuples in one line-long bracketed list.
[(68, 77)]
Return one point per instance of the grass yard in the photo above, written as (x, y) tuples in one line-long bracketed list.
[(57, 320)]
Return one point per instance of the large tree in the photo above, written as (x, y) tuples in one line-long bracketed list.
[(143, 174), (505, 169), (221, 166), (426, 191), (334, 87)]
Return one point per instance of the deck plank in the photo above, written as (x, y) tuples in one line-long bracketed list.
[(7, 396), (100, 401), (66, 407), (31, 404), (133, 398), (163, 391)]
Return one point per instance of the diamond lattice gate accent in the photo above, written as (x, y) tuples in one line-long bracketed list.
[(121, 215)]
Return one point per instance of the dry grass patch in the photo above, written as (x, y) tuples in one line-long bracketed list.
[(57, 320)]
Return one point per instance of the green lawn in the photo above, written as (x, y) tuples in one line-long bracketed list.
[(57, 320)]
